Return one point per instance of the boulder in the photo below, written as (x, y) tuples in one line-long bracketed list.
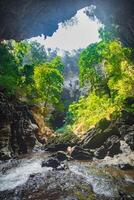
[(79, 153), (63, 166), (60, 155), (101, 152), (125, 166), (110, 148), (96, 137), (113, 146), (54, 163), (129, 138), (51, 162), (60, 142), (103, 124)]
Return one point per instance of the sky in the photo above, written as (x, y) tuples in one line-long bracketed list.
[(79, 35)]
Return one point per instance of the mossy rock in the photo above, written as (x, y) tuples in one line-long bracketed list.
[(60, 142), (96, 137), (84, 192)]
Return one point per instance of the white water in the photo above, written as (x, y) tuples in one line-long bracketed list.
[(19, 175), (101, 184), (16, 176)]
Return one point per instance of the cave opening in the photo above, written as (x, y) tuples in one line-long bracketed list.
[(68, 41)]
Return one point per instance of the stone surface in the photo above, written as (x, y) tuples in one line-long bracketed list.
[(51, 162), (101, 152), (60, 155), (60, 142), (129, 137), (110, 148), (125, 166), (79, 153), (25, 19), (96, 137), (106, 138), (113, 146), (17, 128), (54, 163)]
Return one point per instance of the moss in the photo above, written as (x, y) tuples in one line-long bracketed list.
[(62, 140), (84, 192)]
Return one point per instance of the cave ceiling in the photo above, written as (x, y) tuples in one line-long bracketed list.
[(27, 18)]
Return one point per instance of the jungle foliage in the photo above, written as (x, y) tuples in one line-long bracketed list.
[(108, 68), (26, 72)]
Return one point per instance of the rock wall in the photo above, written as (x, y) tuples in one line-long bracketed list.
[(44, 132), (25, 19), (106, 138), (17, 128)]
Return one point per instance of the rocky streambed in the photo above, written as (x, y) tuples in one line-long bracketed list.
[(25, 178), (100, 165)]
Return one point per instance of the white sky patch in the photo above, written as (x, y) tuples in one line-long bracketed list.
[(79, 35)]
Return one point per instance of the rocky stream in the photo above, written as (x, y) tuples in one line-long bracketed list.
[(25, 178), (98, 166)]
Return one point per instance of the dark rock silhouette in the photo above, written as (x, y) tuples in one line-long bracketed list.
[(17, 128), (31, 18), (79, 153)]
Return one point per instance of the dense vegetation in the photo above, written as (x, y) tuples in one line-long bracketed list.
[(26, 72), (106, 68)]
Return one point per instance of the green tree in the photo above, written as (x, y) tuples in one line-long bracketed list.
[(108, 68), (38, 53), (48, 80), (11, 64), (101, 65), (89, 110)]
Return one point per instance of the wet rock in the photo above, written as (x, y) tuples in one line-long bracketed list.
[(60, 155), (101, 152), (60, 142), (129, 138), (4, 156), (55, 164), (113, 146), (51, 162), (17, 128), (63, 166), (110, 148), (96, 137), (123, 130), (125, 166), (81, 154)]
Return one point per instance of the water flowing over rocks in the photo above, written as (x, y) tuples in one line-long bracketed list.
[(99, 166), (28, 180)]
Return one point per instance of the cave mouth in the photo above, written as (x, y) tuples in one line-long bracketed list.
[(75, 33), (71, 37)]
